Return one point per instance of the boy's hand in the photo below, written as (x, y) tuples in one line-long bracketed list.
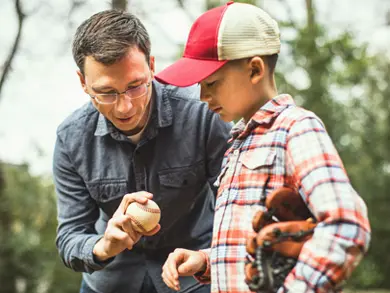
[(182, 262), (119, 233)]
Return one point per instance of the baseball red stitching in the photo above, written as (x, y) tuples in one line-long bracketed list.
[(146, 209), (138, 224)]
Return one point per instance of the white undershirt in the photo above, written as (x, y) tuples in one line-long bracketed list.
[(137, 137)]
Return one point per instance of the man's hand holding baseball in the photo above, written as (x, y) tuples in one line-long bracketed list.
[(120, 233)]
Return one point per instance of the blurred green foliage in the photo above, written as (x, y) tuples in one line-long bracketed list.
[(29, 261), (348, 89)]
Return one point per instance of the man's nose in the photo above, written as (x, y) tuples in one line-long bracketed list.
[(124, 104)]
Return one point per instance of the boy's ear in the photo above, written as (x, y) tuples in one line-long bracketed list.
[(257, 68)]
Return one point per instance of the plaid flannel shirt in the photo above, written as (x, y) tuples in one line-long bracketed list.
[(289, 146)]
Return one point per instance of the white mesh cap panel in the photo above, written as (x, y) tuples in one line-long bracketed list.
[(247, 31)]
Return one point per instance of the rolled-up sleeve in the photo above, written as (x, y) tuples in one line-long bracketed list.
[(342, 235), (205, 276), (77, 214)]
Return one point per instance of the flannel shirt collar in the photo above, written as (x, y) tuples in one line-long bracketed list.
[(264, 115)]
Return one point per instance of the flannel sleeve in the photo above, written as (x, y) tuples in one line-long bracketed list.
[(342, 235), (204, 277)]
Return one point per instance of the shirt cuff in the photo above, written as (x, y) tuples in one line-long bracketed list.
[(204, 276), (90, 261)]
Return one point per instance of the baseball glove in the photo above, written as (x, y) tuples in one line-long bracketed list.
[(282, 230)]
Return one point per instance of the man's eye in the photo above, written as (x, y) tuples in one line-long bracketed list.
[(133, 87)]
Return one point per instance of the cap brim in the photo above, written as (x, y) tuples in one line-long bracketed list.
[(186, 71)]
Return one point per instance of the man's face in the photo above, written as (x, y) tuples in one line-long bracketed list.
[(127, 114), (230, 91)]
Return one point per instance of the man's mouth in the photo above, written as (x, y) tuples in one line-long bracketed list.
[(125, 120)]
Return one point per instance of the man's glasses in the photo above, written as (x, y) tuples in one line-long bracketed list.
[(132, 93)]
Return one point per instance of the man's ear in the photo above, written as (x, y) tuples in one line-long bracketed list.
[(257, 68), (151, 65), (82, 81)]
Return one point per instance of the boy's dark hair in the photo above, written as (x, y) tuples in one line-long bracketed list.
[(271, 62), (107, 37)]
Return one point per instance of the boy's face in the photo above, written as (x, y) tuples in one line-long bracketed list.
[(231, 91)]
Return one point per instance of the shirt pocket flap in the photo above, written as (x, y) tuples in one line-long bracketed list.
[(107, 190), (180, 177), (257, 158)]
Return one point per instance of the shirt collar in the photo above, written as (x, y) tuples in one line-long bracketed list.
[(161, 109), (264, 115)]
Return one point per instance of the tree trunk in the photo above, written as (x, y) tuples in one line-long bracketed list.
[(310, 13), (8, 61), (119, 4)]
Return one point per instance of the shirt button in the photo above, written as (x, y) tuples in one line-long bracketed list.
[(236, 152)]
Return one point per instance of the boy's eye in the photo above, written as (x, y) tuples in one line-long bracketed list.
[(210, 84)]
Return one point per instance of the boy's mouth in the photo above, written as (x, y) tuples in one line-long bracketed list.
[(216, 109)]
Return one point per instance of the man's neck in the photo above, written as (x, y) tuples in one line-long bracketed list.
[(143, 122)]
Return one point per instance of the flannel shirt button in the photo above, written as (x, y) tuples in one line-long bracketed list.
[(236, 152)]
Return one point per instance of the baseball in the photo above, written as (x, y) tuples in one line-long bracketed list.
[(144, 217)]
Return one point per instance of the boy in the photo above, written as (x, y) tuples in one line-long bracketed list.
[(232, 52)]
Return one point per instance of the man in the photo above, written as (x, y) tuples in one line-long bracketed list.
[(275, 144), (135, 140)]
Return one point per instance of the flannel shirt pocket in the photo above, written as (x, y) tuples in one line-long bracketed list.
[(258, 158)]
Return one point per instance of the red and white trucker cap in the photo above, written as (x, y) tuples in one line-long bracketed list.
[(229, 32)]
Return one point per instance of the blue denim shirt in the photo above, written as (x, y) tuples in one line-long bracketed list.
[(177, 160)]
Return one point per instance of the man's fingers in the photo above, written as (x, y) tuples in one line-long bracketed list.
[(154, 231), (141, 197), (126, 224), (123, 224), (115, 235)]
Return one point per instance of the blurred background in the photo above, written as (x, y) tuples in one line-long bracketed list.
[(335, 61)]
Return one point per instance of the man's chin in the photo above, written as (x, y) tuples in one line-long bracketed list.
[(129, 129), (125, 128)]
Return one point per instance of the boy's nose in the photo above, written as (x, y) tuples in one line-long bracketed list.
[(204, 97)]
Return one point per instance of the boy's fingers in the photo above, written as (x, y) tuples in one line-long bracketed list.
[(169, 274), (168, 280)]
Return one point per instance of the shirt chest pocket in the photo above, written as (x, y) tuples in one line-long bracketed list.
[(108, 193), (246, 170), (181, 184), (258, 160), (257, 173), (182, 178)]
